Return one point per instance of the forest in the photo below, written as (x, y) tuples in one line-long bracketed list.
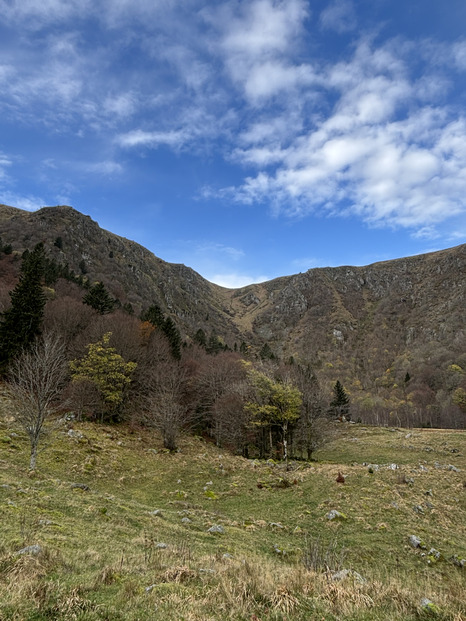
[(67, 345)]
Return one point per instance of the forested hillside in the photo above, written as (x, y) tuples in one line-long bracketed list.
[(392, 334)]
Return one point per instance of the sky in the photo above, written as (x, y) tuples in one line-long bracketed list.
[(246, 139)]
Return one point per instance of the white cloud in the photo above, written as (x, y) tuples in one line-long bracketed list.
[(141, 138), (339, 16), (382, 152), (28, 203), (235, 280), (212, 248)]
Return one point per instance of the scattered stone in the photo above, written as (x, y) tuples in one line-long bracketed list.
[(433, 555), (216, 528), (77, 435), (207, 571), (21, 491), (429, 606), (227, 555), (156, 512), (149, 588), (82, 486), (161, 546), (5, 486), (34, 550), (459, 562), (423, 468), (408, 435), (393, 466), (278, 550), (394, 505), (46, 523), (453, 468), (186, 520), (415, 542), (335, 515), (418, 509), (154, 451), (344, 574), (276, 525), (428, 492)]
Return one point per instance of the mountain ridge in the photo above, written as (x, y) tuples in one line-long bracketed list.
[(368, 326)]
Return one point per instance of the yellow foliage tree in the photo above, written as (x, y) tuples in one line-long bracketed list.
[(103, 367)]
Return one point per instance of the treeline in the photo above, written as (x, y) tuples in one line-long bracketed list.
[(117, 367)]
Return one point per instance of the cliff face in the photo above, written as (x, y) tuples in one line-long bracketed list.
[(324, 312)]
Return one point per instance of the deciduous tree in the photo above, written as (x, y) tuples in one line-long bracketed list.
[(35, 382)]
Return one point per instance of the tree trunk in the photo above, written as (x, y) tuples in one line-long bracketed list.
[(33, 458)]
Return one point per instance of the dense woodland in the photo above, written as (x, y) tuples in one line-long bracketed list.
[(115, 363)]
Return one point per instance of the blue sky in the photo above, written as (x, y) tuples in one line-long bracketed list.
[(248, 140)]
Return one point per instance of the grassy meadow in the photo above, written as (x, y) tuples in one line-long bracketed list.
[(123, 529)]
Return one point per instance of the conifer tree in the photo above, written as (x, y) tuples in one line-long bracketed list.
[(22, 321), (340, 404), (99, 298)]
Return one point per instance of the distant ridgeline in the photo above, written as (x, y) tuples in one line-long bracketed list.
[(392, 333)]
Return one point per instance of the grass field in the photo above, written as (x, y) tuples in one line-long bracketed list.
[(136, 544)]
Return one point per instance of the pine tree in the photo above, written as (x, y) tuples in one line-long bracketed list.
[(173, 335), (99, 298), (340, 404), (22, 321)]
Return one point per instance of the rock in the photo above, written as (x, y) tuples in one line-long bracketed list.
[(227, 555), (335, 515), (77, 435), (149, 588), (216, 528), (82, 486), (156, 512), (453, 468), (278, 550), (161, 546), (276, 525), (433, 556), (186, 520), (415, 542), (423, 468), (393, 466), (33, 550), (418, 509), (345, 574), (429, 606), (459, 562)]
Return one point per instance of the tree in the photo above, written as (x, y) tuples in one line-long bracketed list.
[(35, 382), (107, 371), (22, 321), (167, 325), (277, 403), (340, 404), (164, 406), (99, 299)]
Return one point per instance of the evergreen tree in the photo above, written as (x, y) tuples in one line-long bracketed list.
[(167, 325), (200, 338), (22, 321), (99, 298), (155, 316), (173, 335), (340, 404)]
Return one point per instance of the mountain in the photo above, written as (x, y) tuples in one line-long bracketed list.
[(372, 327)]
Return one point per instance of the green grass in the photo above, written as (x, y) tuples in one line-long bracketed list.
[(100, 557)]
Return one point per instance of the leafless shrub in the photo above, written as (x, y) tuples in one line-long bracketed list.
[(35, 383)]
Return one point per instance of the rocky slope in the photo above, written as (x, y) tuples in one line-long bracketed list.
[(324, 314)]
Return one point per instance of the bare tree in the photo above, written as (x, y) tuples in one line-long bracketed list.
[(35, 382), (164, 406)]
